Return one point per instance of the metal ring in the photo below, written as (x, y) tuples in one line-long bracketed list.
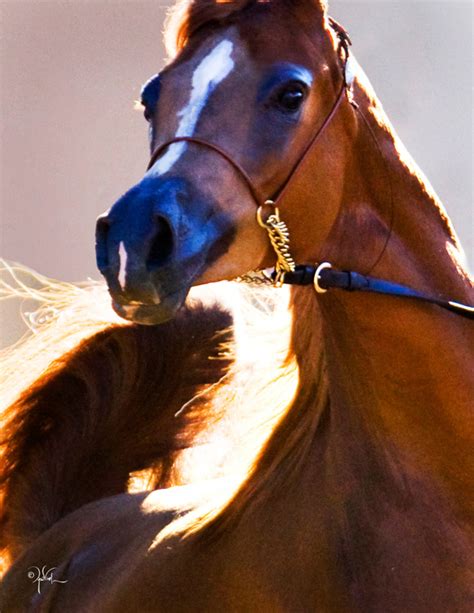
[(317, 277), (279, 279), (262, 223)]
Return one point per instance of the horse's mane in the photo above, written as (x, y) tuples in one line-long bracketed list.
[(72, 327), (301, 382), (60, 316), (185, 17)]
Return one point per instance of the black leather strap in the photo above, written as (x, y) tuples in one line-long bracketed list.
[(328, 278)]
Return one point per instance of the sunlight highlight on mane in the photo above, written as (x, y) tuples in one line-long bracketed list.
[(282, 401), (250, 402), (58, 316), (255, 396)]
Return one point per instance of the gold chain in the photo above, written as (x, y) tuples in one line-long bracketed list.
[(255, 278), (280, 239), (279, 236)]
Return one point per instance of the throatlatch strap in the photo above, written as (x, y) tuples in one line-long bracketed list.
[(329, 278)]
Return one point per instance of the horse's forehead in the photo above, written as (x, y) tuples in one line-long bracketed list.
[(209, 62), (189, 86), (250, 52), (211, 67)]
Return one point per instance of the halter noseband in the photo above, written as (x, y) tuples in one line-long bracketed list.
[(204, 143), (322, 277)]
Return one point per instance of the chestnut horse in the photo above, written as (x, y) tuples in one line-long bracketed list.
[(361, 498)]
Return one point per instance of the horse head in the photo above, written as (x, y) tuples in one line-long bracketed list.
[(246, 93)]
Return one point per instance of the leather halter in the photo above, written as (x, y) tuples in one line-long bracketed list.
[(204, 143), (259, 198), (322, 277)]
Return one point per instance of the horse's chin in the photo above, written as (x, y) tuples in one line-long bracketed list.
[(151, 314)]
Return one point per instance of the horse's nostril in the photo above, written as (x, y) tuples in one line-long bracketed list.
[(101, 243), (162, 245)]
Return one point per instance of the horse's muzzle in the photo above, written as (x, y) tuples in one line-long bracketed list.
[(152, 244), (137, 249)]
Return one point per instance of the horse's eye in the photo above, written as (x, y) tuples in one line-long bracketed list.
[(149, 96), (291, 98)]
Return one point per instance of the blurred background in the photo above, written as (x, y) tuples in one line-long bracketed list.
[(71, 143)]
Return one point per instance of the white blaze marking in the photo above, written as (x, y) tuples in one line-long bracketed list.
[(122, 276), (211, 71)]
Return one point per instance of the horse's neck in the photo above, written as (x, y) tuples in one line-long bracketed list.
[(375, 512), (393, 225), (399, 371), (382, 496)]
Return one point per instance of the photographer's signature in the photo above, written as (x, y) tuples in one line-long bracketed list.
[(39, 575)]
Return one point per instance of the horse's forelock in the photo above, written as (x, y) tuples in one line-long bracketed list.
[(188, 16)]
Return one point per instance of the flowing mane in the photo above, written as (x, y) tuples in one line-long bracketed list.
[(68, 324)]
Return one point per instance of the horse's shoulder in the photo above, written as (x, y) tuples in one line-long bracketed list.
[(99, 545), (79, 541)]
